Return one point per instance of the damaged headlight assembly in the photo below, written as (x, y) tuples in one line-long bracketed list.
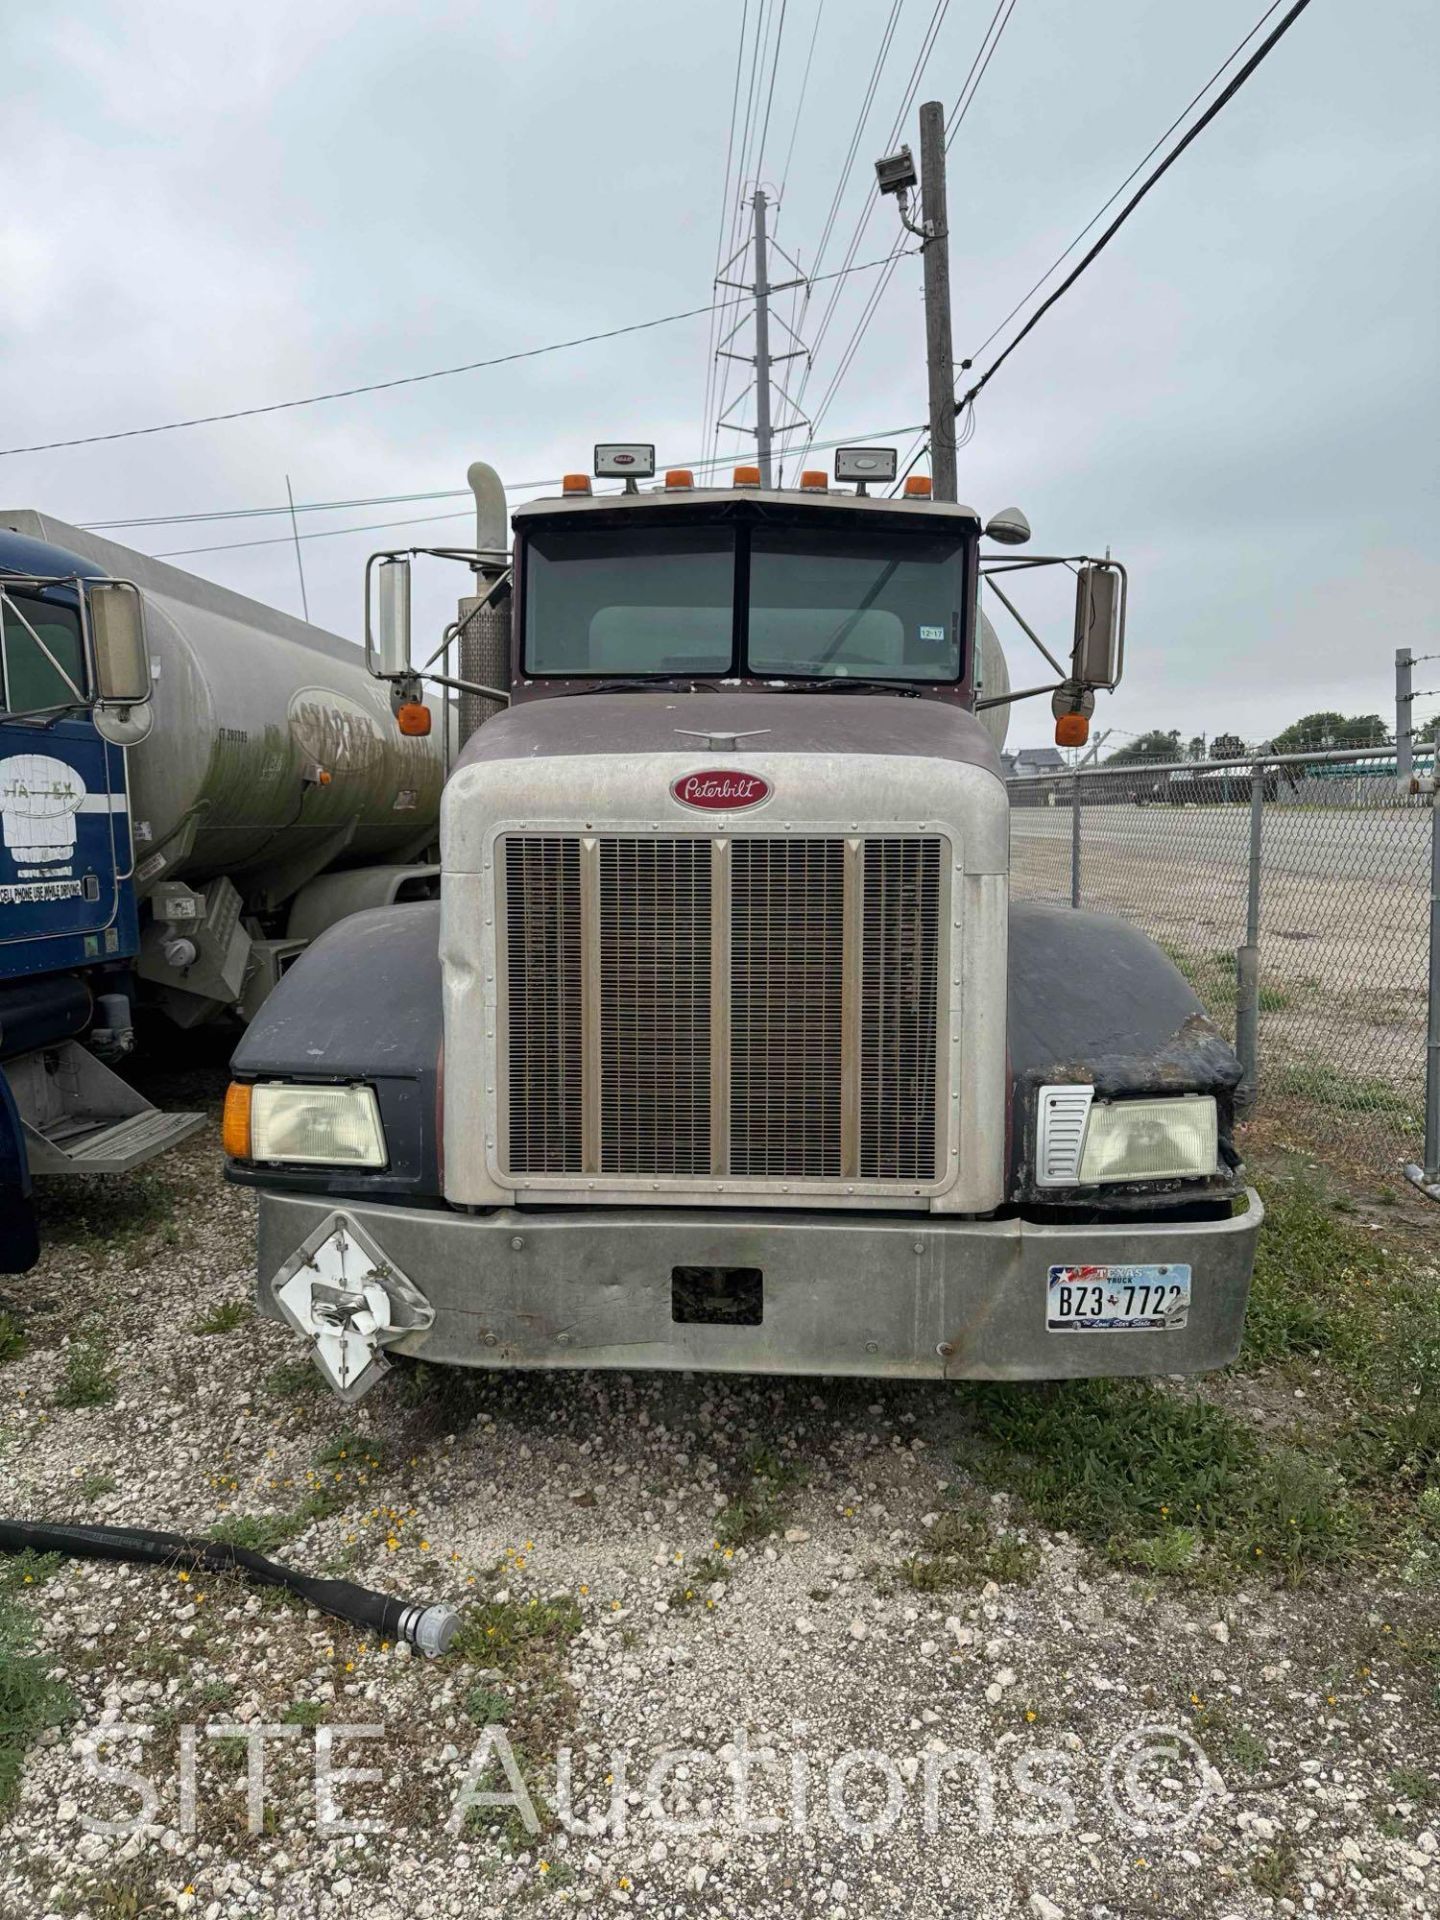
[(303, 1126), (1082, 1141)]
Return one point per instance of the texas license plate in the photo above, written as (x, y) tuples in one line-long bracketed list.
[(1116, 1299)]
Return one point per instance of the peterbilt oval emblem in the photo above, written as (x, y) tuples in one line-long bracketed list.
[(623, 459), (720, 789)]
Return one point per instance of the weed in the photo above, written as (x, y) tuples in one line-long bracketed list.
[(1415, 1786), (1318, 1085), (105, 1215), (294, 1379), (12, 1338), (512, 1635), (350, 1450), (1311, 1274), (486, 1706), (303, 1713), (961, 1553), (27, 1569), (1273, 1872), (88, 1381), (92, 1485), (702, 1573), (226, 1318), (30, 1701)]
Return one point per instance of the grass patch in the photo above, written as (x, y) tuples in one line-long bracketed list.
[(1164, 1484), (30, 1701), (87, 1381), (756, 1508), (303, 1713), (517, 1636), (702, 1573), (102, 1213), (1318, 1085), (294, 1380), (1273, 1872), (350, 1451), (93, 1485), (1325, 1292), (487, 1706), (961, 1552), (12, 1338), (226, 1318)]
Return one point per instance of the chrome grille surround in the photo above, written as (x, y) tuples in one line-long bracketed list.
[(728, 1013)]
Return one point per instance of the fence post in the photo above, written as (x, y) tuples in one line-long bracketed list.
[(1247, 958), (1430, 1173), (1075, 838)]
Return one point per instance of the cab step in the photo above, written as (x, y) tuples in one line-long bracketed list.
[(80, 1117)]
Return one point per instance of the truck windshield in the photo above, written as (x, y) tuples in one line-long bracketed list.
[(812, 603), (28, 680)]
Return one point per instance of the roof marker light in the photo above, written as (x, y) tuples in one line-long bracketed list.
[(575, 483), (917, 487), (746, 477), (679, 479), (814, 480)]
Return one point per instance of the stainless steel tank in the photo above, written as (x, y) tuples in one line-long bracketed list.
[(274, 756)]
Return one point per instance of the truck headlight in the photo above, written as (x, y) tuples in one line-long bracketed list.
[(1088, 1142), (307, 1126)]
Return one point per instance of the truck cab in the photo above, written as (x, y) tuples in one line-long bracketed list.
[(725, 1046)]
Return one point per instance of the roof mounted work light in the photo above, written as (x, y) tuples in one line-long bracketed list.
[(863, 464), (626, 460)]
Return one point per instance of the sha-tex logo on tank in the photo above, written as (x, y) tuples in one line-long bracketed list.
[(720, 790)]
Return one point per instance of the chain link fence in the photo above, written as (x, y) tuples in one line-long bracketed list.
[(1297, 895)]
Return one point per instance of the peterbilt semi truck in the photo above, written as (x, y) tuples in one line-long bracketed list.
[(191, 786), (726, 1046)]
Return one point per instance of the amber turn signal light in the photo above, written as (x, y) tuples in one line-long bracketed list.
[(747, 477), (1071, 730), (575, 483), (413, 718), (917, 487), (235, 1121)]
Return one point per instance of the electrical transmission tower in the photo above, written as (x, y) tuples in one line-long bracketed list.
[(765, 386)]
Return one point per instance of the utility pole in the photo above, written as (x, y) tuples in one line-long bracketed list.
[(939, 347), (763, 360)]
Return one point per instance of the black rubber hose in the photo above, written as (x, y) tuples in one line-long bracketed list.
[(431, 1628)]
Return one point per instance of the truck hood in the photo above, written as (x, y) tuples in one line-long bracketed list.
[(766, 723)]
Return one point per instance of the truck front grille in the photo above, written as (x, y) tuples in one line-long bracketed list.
[(730, 1009)]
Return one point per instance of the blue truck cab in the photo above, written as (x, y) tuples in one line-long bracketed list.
[(68, 916)]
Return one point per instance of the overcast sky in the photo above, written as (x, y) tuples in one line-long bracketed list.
[(208, 208)]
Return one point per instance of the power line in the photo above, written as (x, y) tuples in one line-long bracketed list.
[(710, 361), (800, 103), (1152, 180), (1187, 108), (376, 526), (381, 386), (985, 53), (374, 386), (770, 97)]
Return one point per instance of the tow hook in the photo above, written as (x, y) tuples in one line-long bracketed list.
[(350, 1302)]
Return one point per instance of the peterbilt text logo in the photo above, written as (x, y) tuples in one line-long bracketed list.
[(719, 790)]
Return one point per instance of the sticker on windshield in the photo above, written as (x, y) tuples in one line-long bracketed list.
[(932, 633)]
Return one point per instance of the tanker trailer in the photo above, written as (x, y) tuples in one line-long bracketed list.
[(180, 846)]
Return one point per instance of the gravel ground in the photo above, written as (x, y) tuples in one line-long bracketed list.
[(792, 1655)]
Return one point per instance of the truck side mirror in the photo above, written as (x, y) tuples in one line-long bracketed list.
[(1099, 653), (393, 618), (117, 629)]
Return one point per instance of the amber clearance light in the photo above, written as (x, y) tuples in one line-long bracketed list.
[(413, 718), (1071, 730), (235, 1121)]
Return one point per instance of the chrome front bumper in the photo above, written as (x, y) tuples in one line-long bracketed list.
[(919, 1298)]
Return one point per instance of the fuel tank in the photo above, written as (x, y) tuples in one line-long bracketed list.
[(274, 756)]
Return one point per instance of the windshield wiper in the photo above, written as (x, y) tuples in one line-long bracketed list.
[(651, 682), (851, 683)]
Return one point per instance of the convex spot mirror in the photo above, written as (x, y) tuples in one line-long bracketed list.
[(1099, 651)]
